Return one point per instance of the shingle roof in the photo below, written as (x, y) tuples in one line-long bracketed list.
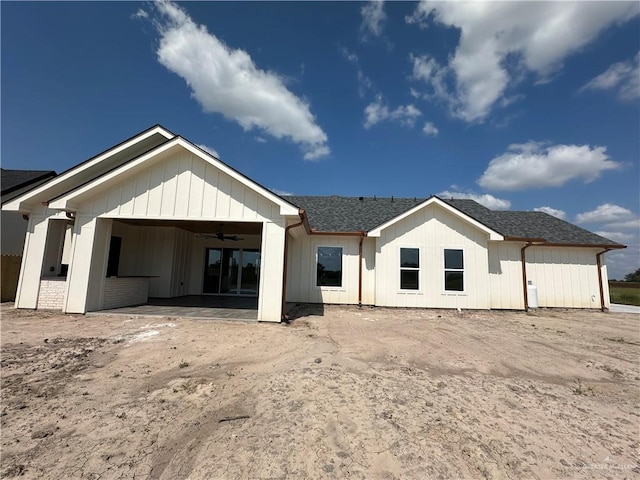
[(352, 214), (523, 224), (14, 180)]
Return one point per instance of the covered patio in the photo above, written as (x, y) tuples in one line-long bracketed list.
[(193, 306)]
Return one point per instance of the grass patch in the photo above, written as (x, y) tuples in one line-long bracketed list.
[(625, 296)]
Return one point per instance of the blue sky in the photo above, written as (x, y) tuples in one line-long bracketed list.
[(519, 105)]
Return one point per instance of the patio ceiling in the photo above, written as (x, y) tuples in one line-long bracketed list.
[(198, 226)]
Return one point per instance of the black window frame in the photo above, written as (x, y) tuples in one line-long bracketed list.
[(454, 271), (409, 271), (326, 278)]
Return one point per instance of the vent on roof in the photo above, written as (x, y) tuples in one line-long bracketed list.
[(361, 198)]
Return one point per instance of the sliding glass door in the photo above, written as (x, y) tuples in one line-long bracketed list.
[(231, 271)]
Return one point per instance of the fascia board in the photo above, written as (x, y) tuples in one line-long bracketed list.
[(493, 235), (286, 208), (65, 202), (17, 203)]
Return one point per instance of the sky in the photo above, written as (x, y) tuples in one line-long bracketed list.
[(518, 105)]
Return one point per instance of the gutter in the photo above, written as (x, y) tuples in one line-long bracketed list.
[(362, 235), (283, 314), (600, 283), (523, 260)]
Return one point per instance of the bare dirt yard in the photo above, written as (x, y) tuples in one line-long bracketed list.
[(367, 393)]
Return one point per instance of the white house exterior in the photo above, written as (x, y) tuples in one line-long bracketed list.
[(156, 216)]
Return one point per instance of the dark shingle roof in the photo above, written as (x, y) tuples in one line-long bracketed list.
[(530, 225), (19, 181), (352, 214)]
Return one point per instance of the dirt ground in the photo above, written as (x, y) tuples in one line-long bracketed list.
[(367, 393)]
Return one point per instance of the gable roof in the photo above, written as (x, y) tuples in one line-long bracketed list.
[(15, 182), (65, 200), (352, 214), (91, 168), (531, 225)]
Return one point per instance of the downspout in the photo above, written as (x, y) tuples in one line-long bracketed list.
[(524, 275), (600, 284), (362, 234), (283, 314)]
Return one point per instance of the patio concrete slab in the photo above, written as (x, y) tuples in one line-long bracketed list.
[(616, 308), (193, 306)]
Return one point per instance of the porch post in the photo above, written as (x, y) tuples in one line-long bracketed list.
[(88, 263), (271, 268), (32, 259)]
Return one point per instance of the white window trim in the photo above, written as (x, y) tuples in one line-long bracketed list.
[(463, 270), (314, 272), (409, 291)]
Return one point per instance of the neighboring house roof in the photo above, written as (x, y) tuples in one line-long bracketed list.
[(352, 214), (16, 182)]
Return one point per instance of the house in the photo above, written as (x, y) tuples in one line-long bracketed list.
[(156, 216), (13, 227)]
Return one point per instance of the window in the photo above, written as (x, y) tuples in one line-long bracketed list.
[(409, 268), (329, 270), (454, 270)]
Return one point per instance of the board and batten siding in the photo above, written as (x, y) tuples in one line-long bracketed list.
[(432, 230), (151, 252), (566, 276), (505, 276), (180, 186), (301, 275)]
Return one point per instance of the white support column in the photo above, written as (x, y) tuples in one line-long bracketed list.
[(272, 260), (88, 264), (32, 258)]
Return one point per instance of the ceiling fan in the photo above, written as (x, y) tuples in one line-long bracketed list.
[(220, 235)]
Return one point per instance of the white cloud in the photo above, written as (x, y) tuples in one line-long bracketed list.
[(209, 150), (430, 129), (427, 69), (377, 111), (282, 193), (623, 76), (364, 82), (621, 262), (140, 14), (606, 213), (552, 211), (373, 18), (226, 81), (487, 200), (617, 236), (628, 225), (260, 139), (502, 41), (532, 165)]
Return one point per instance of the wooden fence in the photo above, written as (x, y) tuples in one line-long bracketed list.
[(624, 284), (9, 270)]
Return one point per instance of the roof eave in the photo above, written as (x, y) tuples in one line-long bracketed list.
[(20, 203), (65, 201)]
